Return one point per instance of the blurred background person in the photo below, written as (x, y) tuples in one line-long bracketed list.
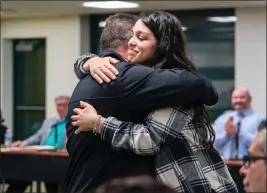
[(236, 129), (52, 131), (254, 164), (136, 184)]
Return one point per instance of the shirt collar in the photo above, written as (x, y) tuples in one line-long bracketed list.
[(113, 54), (246, 113)]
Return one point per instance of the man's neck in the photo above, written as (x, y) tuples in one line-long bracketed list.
[(123, 52), (61, 118), (245, 111)]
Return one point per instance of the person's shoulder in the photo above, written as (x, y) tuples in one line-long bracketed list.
[(124, 64), (258, 114), (136, 70), (51, 119)]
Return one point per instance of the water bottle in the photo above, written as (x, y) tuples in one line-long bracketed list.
[(8, 138)]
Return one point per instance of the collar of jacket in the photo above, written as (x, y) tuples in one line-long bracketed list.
[(112, 54)]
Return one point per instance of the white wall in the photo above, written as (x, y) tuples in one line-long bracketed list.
[(6, 90), (63, 45), (250, 54)]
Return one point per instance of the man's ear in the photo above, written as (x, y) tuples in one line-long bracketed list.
[(249, 98)]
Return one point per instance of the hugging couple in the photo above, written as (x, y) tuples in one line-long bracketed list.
[(138, 109)]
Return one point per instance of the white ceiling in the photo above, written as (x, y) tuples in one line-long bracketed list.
[(18, 9)]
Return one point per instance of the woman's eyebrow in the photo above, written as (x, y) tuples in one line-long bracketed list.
[(142, 32)]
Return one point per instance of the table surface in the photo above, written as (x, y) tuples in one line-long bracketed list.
[(236, 163), (36, 153)]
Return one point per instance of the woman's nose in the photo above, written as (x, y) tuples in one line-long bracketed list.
[(132, 42)]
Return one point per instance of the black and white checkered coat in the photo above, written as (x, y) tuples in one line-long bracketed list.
[(181, 161)]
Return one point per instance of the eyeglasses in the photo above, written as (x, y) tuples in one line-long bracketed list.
[(250, 158)]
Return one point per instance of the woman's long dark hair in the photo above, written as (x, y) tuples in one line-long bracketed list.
[(171, 53)]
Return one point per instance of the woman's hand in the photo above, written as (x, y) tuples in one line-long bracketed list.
[(102, 69), (85, 119)]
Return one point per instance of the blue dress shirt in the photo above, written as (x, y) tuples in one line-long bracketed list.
[(248, 130)]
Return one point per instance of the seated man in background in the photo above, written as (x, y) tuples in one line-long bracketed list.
[(236, 129), (46, 135), (51, 133), (254, 165)]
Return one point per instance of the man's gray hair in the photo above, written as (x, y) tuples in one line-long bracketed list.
[(62, 97), (117, 31)]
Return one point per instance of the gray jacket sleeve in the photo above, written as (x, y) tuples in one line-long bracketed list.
[(78, 65), (42, 133), (35, 139)]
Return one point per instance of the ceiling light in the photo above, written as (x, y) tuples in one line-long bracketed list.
[(184, 28), (110, 4), (102, 24), (223, 19)]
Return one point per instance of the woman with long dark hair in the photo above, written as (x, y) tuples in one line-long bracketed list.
[(180, 138)]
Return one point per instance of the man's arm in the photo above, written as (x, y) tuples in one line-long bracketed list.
[(78, 65), (163, 86), (144, 88), (161, 126), (35, 139)]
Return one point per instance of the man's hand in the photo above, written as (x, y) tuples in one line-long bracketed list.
[(85, 119), (230, 128), (18, 144), (101, 69)]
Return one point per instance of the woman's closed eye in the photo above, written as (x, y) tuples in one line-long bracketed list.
[(142, 38)]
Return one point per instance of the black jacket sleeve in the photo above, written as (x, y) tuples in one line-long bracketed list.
[(158, 85), (157, 88)]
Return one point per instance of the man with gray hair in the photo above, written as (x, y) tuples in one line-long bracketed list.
[(236, 129), (254, 164), (52, 133), (46, 135)]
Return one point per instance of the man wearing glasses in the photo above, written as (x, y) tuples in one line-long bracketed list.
[(254, 164)]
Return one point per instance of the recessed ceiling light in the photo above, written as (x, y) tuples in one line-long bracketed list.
[(227, 19), (102, 24), (184, 28), (110, 4)]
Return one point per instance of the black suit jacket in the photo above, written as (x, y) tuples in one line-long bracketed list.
[(137, 91)]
